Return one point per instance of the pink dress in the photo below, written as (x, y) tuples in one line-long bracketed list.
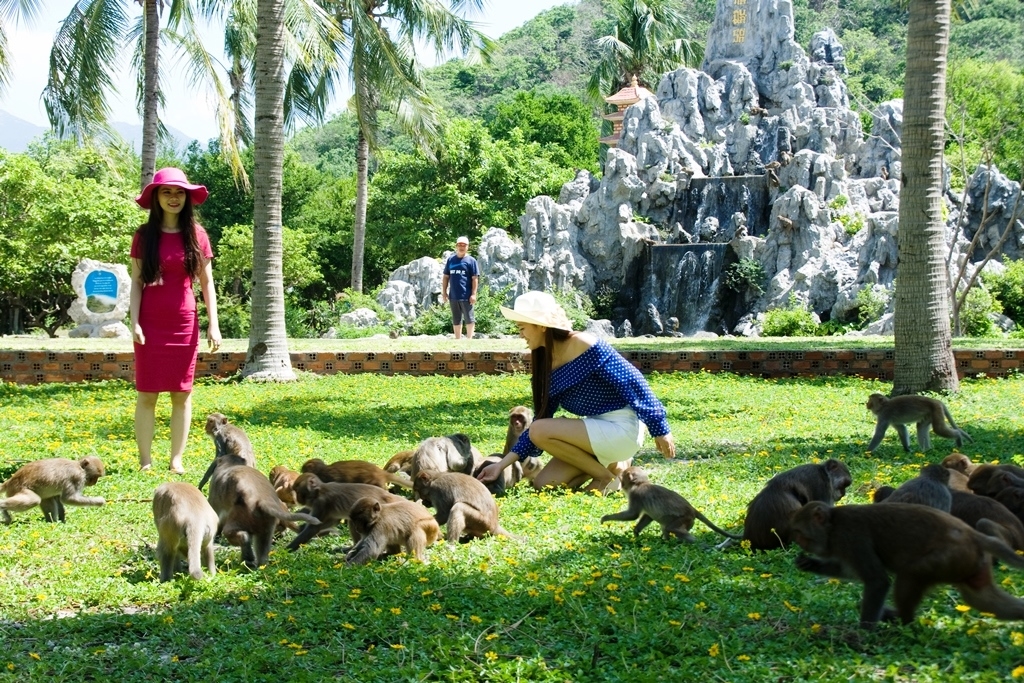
[(169, 320)]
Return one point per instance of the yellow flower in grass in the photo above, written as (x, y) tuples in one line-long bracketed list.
[(815, 628), (396, 610), (271, 615), (790, 607), (1018, 672), (491, 655), (612, 587), (754, 615), (453, 617), (1017, 638), (348, 626), (34, 655), (491, 636), (963, 608), (397, 646), (673, 622), (713, 650), (475, 619), (611, 610), (744, 658)]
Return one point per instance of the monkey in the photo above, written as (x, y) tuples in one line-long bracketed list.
[(283, 480), (989, 480), (463, 504), (920, 545), (882, 493), (49, 484), (971, 509), (930, 487), (186, 525), (519, 418), (959, 462), (354, 472), (399, 462), (509, 477), (767, 522), (653, 503), (1012, 498), (925, 412), (331, 502), (384, 528), (227, 438), (452, 453), (248, 508)]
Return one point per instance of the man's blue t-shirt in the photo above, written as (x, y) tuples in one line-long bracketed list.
[(460, 272)]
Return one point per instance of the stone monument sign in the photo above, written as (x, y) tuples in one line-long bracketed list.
[(104, 295)]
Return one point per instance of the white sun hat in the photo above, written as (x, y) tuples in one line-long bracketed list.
[(538, 308)]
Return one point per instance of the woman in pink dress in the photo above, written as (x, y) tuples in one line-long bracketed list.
[(169, 253)]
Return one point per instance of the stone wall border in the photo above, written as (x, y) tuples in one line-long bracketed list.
[(37, 367)]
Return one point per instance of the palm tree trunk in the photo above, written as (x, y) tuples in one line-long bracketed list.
[(924, 354), (268, 342), (151, 92), (359, 225)]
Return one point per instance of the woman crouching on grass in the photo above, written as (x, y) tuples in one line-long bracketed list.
[(587, 377)]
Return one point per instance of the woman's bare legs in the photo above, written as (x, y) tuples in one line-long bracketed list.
[(145, 417), (181, 418), (573, 460)]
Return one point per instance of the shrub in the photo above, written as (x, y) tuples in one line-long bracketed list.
[(795, 320), (974, 320), (438, 318), (746, 274), (871, 304), (577, 306), (1008, 289)]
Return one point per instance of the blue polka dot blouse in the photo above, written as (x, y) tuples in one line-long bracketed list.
[(599, 381)]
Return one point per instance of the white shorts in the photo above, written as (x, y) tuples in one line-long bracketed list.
[(615, 436)]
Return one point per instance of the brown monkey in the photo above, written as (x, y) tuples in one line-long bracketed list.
[(353, 472), (925, 412), (463, 504), (882, 493), (1012, 498), (227, 438), (920, 545), (652, 503), (972, 509), (385, 528), (767, 522), (451, 453), (331, 503), (930, 487), (519, 418), (959, 462), (248, 508), (399, 462), (186, 525), (989, 480), (283, 480), (49, 484)]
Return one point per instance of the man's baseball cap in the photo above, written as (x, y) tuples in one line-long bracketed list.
[(462, 240)]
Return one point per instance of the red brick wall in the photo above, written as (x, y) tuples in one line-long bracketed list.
[(34, 367)]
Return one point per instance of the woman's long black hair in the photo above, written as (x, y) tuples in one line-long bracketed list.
[(149, 234), (540, 362)]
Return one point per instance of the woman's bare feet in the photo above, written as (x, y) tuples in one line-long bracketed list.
[(177, 468)]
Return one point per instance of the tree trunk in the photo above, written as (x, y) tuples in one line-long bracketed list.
[(359, 225), (268, 358), (150, 92), (924, 352)]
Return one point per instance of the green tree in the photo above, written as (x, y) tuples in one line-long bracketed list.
[(650, 38), (562, 124), (48, 224), (299, 261), (379, 41), (923, 341)]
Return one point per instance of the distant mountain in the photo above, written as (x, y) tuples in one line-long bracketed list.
[(15, 133)]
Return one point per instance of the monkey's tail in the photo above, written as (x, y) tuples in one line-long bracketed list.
[(990, 540), (992, 599), (501, 531), (283, 515), (714, 528), (399, 480)]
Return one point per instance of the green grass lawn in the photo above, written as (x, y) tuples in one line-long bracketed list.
[(575, 601)]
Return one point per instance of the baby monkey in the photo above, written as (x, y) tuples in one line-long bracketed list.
[(652, 503), (925, 412)]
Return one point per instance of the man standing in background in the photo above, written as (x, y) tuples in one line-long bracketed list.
[(458, 287)]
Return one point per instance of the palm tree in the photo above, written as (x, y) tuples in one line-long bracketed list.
[(268, 343), (380, 45), (923, 343), (12, 10), (651, 37)]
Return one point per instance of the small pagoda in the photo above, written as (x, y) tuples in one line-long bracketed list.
[(631, 94)]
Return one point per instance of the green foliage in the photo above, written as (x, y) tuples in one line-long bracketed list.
[(438, 318), (48, 224), (871, 305), (746, 275), (852, 221), (234, 315), (745, 118), (794, 320), (674, 603), (874, 68), (992, 33), (233, 266), (418, 206), (987, 101), (577, 306), (1008, 289), (974, 320), (560, 123), (604, 302)]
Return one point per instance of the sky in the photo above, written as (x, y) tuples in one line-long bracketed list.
[(188, 110)]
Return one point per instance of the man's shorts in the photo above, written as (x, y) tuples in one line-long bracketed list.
[(461, 310)]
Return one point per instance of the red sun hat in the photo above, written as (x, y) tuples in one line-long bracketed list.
[(176, 177)]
